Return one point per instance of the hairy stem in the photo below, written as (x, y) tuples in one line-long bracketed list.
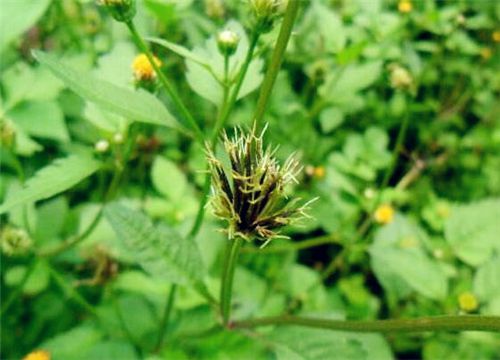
[(276, 60), (433, 323), (231, 257), (166, 84)]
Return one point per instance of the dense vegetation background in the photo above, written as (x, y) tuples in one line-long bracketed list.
[(401, 228)]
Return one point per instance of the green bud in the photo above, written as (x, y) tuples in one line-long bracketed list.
[(227, 41), (265, 13), (15, 241), (121, 10)]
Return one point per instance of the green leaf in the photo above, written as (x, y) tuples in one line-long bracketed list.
[(295, 343), (341, 85), (330, 119), (395, 247), (17, 16), (74, 343), (134, 105), (60, 175), (181, 51), (486, 280), (159, 250), (168, 179), (472, 230), (41, 119)]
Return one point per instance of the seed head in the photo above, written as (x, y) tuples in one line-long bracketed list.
[(250, 195)]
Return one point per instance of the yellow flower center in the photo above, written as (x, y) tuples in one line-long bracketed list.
[(467, 301), (143, 69), (384, 214), (486, 53), (38, 355), (405, 6)]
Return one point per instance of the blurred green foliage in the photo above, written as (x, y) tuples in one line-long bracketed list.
[(353, 73)]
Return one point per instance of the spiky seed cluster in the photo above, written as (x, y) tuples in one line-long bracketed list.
[(250, 196)]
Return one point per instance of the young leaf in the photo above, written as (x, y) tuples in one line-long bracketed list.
[(133, 105), (159, 250), (53, 179)]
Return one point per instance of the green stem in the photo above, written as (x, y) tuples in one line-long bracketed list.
[(239, 81), (226, 108), (276, 60), (395, 153), (293, 246), (388, 174), (166, 315), (15, 294), (76, 240), (231, 257), (434, 323), (163, 79), (71, 292)]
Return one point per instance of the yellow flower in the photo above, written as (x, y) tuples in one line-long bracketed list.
[(319, 172), (143, 70), (38, 355), (467, 301), (496, 36), (486, 53), (405, 6), (384, 214)]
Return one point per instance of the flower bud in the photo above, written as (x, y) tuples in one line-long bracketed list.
[(121, 10), (101, 146), (15, 241), (215, 9), (143, 70), (400, 78), (227, 41), (265, 12)]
